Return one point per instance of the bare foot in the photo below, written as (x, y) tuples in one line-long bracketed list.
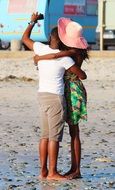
[(69, 172), (56, 176), (74, 175), (43, 175), (40, 177)]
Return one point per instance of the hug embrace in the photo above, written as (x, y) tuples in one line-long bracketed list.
[(61, 93)]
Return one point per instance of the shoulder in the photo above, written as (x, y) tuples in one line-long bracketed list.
[(68, 59), (68, 62), (38, 47), (38, 44)]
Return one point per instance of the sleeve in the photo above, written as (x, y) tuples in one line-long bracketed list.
[(68, 62), (37, 47)]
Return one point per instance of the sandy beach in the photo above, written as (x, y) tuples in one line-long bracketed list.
[(19, 129)]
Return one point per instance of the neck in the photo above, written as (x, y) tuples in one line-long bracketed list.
[(53, 45)]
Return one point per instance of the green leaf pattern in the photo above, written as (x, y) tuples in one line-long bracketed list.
[(76, 99)]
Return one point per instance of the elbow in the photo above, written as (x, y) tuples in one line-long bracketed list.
[(23, 39), (83, 77)]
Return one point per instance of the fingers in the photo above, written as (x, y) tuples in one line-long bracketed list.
[(36, 13)]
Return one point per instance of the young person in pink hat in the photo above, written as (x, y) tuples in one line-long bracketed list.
[(74, 45)]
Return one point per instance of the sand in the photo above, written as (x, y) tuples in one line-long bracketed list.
[(19, 129)]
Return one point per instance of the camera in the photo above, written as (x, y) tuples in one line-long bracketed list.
[(41, 16)]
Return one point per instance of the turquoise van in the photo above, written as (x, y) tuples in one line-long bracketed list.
[(15, 15)]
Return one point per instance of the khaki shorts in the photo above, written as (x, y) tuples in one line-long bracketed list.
[(51, 115)]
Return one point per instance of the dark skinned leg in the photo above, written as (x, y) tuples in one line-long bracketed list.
[(43, 152), (74, 172), (53, 156)]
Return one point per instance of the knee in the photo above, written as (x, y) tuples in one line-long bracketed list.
[(71, 132)]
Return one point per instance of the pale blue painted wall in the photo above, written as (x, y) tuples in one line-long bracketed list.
[(15, 24)]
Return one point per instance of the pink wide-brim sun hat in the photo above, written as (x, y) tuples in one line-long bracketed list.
[(71, 33)]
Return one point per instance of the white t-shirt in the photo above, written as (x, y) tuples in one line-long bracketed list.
[(51, 71)]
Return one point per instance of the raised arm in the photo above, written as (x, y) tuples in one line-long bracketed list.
[(26, 35)]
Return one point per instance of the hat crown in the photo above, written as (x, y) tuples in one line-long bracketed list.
[(74, 30), (71, 33)]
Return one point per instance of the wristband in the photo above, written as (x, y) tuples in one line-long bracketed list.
[(32, 23)]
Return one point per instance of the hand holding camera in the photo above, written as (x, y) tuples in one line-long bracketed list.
[(35, 17)]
